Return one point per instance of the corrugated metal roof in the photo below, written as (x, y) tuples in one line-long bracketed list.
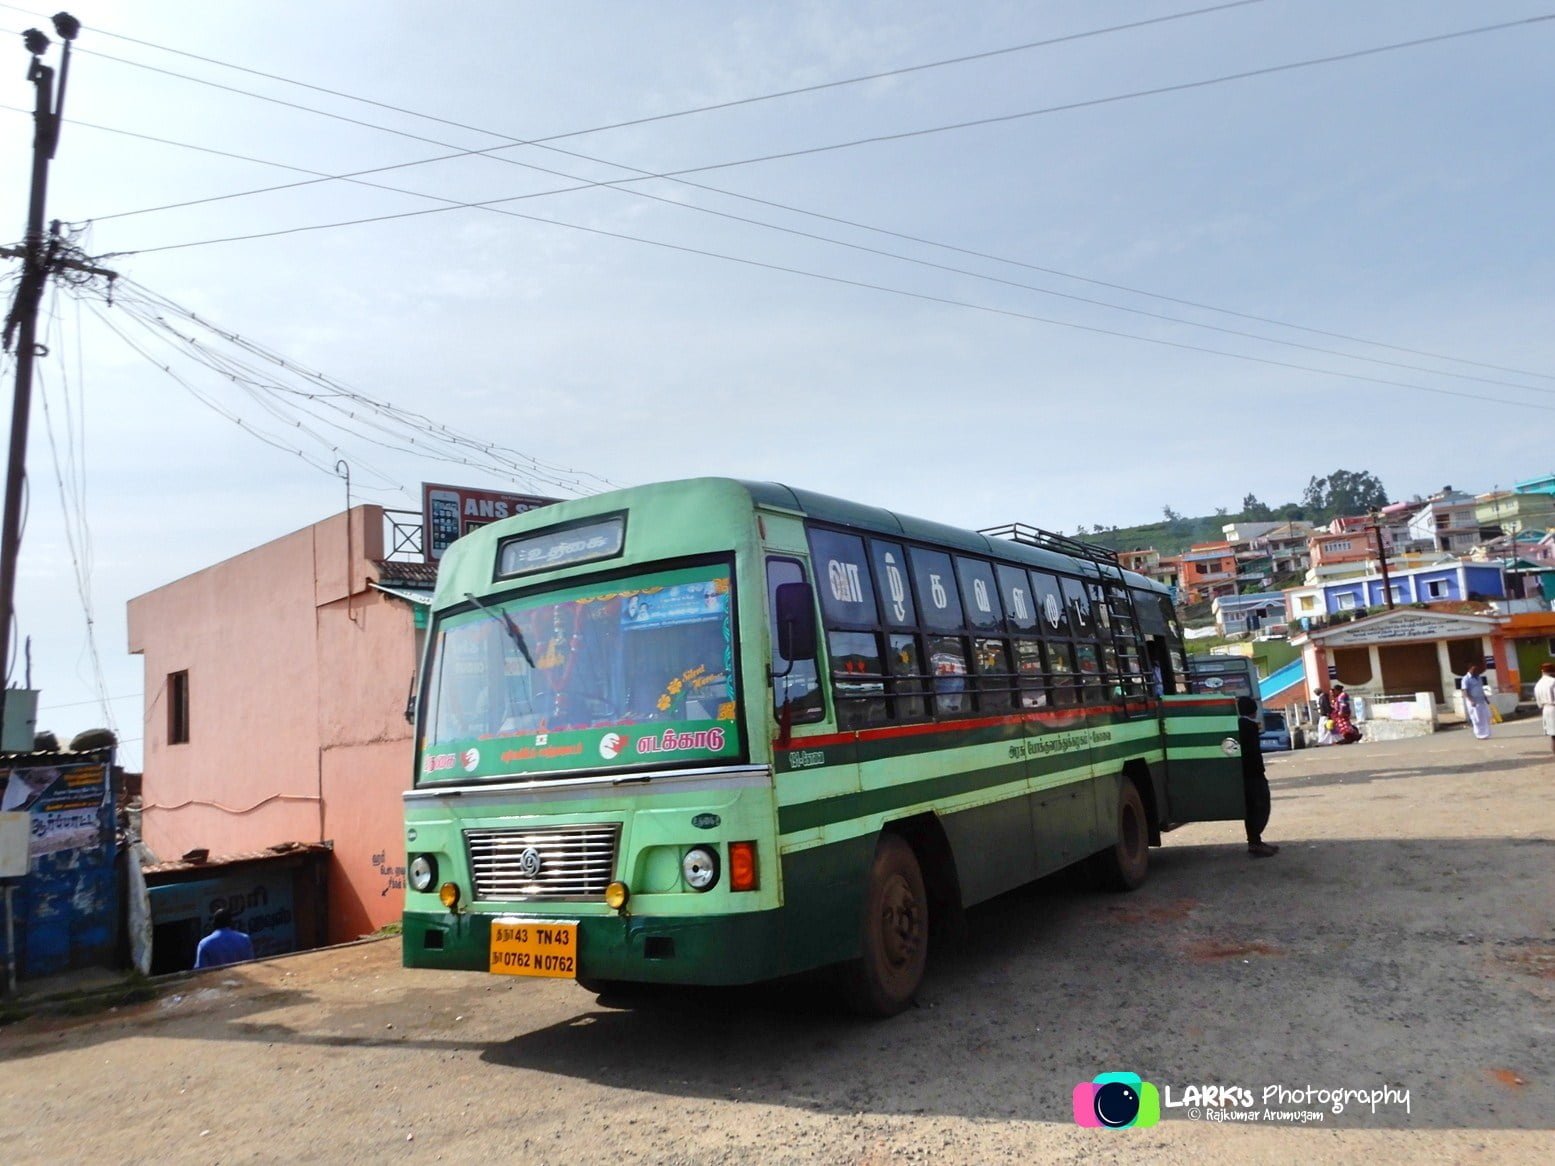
[(421, 598), (394, 572), (216, 862)]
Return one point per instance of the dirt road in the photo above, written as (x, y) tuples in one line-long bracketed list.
[(1404, 937)]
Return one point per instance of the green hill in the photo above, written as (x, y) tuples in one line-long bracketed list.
[(1169, 537)]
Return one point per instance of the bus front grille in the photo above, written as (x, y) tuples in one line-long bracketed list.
[(551, 862)]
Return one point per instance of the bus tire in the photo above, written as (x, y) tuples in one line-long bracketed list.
[(893, 933), (1124, 865)]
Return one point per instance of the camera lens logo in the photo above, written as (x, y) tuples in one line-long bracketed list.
[(1117, 1101)]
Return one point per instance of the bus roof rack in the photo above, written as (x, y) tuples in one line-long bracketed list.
[(1035, 536)]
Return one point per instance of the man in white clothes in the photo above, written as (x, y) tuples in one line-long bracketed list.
[(1476, 704), (1544, 697)]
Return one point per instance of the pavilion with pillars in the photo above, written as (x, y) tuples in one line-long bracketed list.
[(1408, 650)]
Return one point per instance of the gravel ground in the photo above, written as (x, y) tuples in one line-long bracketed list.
[(1404, 937)]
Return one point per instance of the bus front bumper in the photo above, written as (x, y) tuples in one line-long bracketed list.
[(721, 949)]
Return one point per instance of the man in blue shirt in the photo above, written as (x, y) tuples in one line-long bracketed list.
[(223, 945)]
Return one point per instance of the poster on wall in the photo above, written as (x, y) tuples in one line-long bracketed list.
[(64, 804), (451, 512)]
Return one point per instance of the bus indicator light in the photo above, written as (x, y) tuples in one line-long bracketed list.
[(616, 895), (742, 866)]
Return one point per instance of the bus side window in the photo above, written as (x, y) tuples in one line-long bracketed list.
[(908, 678), (1033, 681), (1088, 665), (1060, 663), (947, 661), (796, 689), (858, 684)]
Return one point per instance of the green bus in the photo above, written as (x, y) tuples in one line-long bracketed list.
[(716, 732)]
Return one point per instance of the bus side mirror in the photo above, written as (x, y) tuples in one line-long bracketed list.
[(795, 618)]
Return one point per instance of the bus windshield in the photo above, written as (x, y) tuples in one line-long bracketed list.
[(632, 671)]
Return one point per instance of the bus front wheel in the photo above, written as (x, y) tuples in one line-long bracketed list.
[(894, 933), (1124, 864)]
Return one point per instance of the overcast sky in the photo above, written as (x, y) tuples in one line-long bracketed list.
[(1397, 198)]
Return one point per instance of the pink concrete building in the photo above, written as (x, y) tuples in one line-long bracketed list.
[(276, 688), (1350, 546)]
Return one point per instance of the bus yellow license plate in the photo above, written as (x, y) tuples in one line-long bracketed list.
[(528, 947)]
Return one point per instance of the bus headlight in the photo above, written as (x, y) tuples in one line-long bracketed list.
[(423, 872), (699, 868)]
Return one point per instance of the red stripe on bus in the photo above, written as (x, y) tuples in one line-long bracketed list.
[(1051, 715), (890, 731)]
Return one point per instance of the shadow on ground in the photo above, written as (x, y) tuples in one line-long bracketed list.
[(1336, 965), (1427, 965)]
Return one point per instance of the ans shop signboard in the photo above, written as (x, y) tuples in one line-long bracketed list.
[(451, 512)]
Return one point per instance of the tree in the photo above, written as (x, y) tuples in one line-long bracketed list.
[(1344, 492), (1171, 515), (1220, 512), (1254, 510)]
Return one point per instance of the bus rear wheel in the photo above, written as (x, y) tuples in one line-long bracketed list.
[(1124, 864), (894, 933)]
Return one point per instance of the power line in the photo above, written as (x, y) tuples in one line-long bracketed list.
[(75, 704), (489, 205), (450, 204), (808, 151), (453, 203), (1013, 314), (78, 534), (1060, 323), (715, 106), (311, 399)]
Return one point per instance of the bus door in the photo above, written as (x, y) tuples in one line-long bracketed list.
[(814, 767), (1201, 775), (1203, 760)]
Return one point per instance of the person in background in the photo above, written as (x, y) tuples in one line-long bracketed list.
[(1325, 718), (224, 945), (1345, 732), (1255, 781), (1476, 704), (1544, 697)]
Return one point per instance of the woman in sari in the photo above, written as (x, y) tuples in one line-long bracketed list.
[(1345, 732)]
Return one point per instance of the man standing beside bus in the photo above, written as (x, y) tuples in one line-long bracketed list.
[(1255, 780)]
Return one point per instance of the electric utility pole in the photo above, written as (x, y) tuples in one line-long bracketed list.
[(1382, 558), (38, 255)]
